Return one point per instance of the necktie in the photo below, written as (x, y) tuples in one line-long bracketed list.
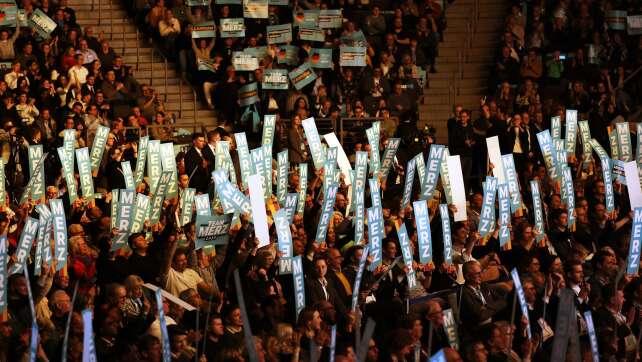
[(344, 281), (323, 286), (480, 295)]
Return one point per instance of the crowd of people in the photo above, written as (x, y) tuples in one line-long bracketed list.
[(401, 39), (369, 294), (552, 56)]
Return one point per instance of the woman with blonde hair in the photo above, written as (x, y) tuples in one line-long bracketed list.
[(284, 344), (135, 303)]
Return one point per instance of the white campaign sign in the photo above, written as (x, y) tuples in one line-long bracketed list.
[(342, 158), (457, 186), (633, 184), (259, 216), (495, 157)]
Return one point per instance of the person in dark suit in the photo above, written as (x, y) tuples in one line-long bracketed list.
[(209, 150), (318, 288), (114, 171), (336, 277), (375, 87), (196, 165), (480, 302), (89, 87), (297, 151), (516, 141)]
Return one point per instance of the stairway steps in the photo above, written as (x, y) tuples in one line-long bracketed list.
[(446, 86), (104, 14), (112, 18)]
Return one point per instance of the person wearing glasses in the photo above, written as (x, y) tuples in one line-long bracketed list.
[(480, 302)]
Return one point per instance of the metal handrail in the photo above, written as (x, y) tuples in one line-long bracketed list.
[(166, 80), (455, 86), (111, 22), (475, 17), (123, 31), (469, 30), (460, 64), (151, 76), (180, 97), (194, 102), (151, 70), (463, 53), (137, 48)]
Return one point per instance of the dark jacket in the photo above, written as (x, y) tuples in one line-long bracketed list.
[(199, 176)]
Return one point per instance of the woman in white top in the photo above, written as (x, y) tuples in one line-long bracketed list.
[(27, 109)]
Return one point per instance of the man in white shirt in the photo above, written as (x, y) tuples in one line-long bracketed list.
[(180, 277), (88, 54), (575, 281), (169, 29), (12, 77), (78, 73)]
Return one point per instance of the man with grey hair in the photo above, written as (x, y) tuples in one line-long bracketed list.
[(479, 301)]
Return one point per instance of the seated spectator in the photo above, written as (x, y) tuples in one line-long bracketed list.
[(14, 75), (89, 55), (78, 73), (480, 302), (532, 66)]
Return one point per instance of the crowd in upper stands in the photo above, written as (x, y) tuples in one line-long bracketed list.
[(386, 306), (402, 41)]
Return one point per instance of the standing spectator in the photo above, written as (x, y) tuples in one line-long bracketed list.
[(196, 165), (169, 29), (464, 141)]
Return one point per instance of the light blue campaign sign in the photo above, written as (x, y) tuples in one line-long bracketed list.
[(433, 167), (592, 336), (504, 214), (538, 211), (284, 236), (569, 192), (314, 142), (375, 230), (357, 279), (361, 173), (299, 287), (422, 219), (546, 146), (282, 176), (407, 189), (513, 182), (406, 251), (522, 300), (487, 215), (389, 157), (303, 185), (633, 260), (326, 212), (289, 206), (447, 237)]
